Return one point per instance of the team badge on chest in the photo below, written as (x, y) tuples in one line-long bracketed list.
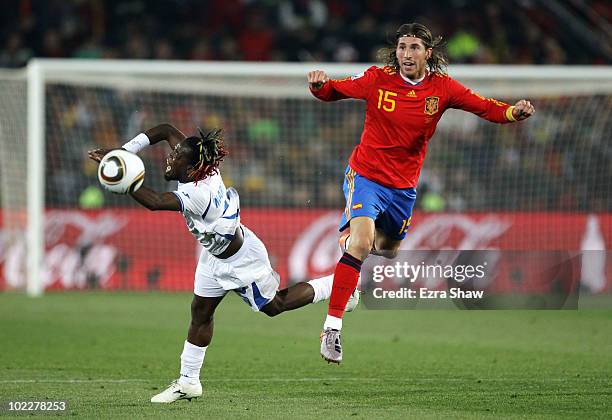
[(431, 105)]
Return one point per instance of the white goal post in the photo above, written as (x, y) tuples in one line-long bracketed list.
[(268, 80)]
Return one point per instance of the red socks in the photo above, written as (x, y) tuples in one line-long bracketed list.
[(346, 278)]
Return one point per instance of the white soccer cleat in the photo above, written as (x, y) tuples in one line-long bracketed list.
[(177, 391), (353, 301), (331, 346)]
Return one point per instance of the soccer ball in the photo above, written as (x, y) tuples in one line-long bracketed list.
[(121, 172)]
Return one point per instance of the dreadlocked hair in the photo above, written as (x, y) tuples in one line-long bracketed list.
[(208, 151), (437, 63)]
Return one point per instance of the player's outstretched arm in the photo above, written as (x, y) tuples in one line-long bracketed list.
[(154, 201), (488, 108), (160, 132), (522, 110), (357, 87), (167, 132)]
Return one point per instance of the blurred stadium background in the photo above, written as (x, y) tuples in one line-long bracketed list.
[(494, 32), (541, 185)]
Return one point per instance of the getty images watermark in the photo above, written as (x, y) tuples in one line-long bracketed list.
[(489, 279), (407, 272)]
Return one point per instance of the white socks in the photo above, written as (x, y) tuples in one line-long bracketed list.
[(192, 359), (333, 323), (322, 288)]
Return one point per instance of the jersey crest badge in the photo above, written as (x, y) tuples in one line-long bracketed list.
[(431, 105)]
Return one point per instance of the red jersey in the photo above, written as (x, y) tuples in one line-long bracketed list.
[(401, 118)]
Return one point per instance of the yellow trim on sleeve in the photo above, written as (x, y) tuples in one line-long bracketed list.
[(509, 115)]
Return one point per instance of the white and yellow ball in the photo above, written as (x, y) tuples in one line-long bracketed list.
[(121, 172)]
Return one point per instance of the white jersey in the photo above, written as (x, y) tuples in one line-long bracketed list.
[(212, 212)]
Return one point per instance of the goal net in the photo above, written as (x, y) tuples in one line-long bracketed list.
[(542, 184), (13, 177)]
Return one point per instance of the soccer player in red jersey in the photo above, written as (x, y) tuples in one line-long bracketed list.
[(404, 102)]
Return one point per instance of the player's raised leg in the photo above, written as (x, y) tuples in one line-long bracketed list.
[(199, 336), (304, 293), (346, 277)]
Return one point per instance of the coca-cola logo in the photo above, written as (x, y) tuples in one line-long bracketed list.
[(455, 231), (75, 250), (316, 251)]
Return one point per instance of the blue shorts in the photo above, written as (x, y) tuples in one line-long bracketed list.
[(390, 208)]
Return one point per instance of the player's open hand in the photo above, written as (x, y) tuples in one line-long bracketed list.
[(97, 154), (317, 79), (523, 110)]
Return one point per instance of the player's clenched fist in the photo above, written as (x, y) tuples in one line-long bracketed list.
[(317, 79), (523, 110)]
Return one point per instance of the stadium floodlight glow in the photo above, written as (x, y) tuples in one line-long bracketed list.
[(29, 94)]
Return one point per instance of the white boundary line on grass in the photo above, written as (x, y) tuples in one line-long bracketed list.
[(351, 379), (68, 381)]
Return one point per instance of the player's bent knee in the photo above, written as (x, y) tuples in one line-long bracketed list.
[(203, 309), (198, 320), (360, 247), (201, 314)]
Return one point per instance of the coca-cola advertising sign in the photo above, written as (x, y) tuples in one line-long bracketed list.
[(139, 249)]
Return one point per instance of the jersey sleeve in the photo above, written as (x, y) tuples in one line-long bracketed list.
[(356, 87), (488, 108), (193, 199)]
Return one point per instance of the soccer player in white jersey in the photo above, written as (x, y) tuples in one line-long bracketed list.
[(232, 258)]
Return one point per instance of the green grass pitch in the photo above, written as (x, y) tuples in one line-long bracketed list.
[(106, 354)]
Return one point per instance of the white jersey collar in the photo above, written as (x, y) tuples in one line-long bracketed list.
[(412, 82)]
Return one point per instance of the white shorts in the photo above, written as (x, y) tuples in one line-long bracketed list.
[(248, 272)]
